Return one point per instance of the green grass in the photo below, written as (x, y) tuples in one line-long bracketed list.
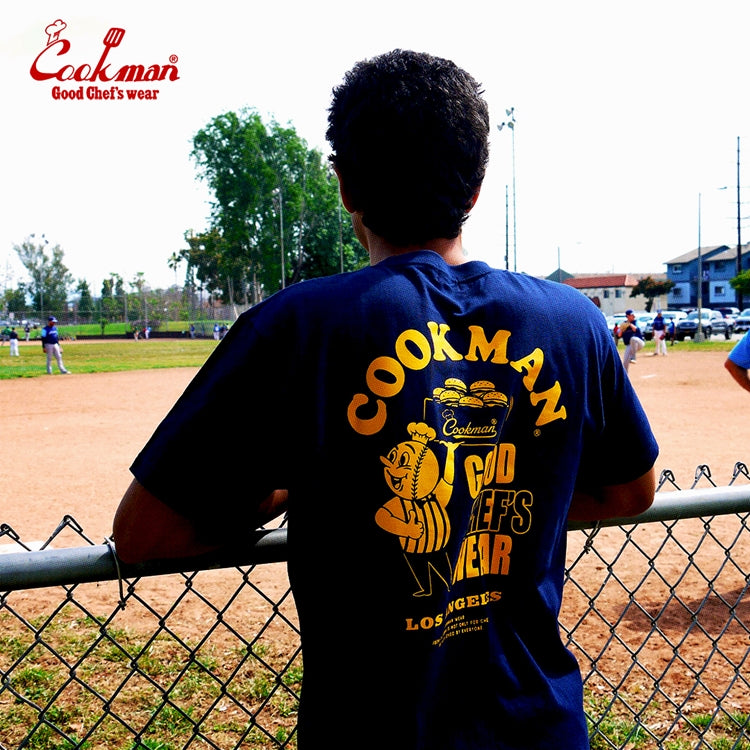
[(107, 356), (117, 355), (176, 685), (688, 345), (611, 722)]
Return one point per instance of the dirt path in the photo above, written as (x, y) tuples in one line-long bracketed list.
[(71, 439)]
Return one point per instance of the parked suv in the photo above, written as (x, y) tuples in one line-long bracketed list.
[(730, 312), (712, 322), (730, 315), (742, 321)]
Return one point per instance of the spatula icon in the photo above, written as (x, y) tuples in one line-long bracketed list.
[(113, 37)]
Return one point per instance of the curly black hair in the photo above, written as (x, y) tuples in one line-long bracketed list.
[(409, 134)]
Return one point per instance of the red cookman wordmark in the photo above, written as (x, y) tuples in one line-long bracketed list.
[(103, 80)]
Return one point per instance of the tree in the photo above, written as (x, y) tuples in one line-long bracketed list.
[(140, 287), (651, 289), (50, 278), (14, 300), (741, 284), (203, 256), (85, 301), (275, 218), (114, 301)]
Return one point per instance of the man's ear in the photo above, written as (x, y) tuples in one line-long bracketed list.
[(474, 199), (345, 199)]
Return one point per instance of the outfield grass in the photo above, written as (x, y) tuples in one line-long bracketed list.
[(106, 356)]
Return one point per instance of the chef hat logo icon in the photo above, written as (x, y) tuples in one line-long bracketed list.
[(54, 30)]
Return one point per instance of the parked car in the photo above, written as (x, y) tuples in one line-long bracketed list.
[(731, 312), (712, 321), (644, 321), (730, 315), (742, 321), (675, 315), (613, 320)]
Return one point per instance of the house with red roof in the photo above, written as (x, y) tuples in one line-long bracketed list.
[(611, 291)]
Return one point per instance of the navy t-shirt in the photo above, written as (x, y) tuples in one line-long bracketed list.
[(430, 423)]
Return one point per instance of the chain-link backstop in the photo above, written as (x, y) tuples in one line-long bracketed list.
[(150, 657)]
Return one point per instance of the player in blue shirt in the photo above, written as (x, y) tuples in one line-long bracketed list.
[(51, 345)]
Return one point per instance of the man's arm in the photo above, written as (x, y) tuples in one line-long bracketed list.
[(614, 501), (145, 528), (738, 373)]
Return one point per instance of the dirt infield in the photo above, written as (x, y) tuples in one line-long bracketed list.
[(72, 438), (68, 440)]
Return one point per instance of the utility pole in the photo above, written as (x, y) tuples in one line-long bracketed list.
[(699, 332), (738, 265), (506, 228), (510, 123)]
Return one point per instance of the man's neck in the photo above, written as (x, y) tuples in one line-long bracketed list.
[(451, 251)]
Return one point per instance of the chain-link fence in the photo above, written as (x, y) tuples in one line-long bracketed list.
[(146, 657)]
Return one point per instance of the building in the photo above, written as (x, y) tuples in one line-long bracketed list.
[(609, 292), (716, 265)]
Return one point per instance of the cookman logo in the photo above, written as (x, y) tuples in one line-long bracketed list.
[(53, 64)]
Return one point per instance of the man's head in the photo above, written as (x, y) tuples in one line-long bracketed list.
[(409, 134)]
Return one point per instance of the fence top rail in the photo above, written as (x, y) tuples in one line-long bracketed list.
[(673, 506), (96, 563)]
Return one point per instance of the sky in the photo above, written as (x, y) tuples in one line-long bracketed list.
[(624, 152)]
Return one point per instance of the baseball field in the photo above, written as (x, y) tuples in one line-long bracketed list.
[(68, 441)]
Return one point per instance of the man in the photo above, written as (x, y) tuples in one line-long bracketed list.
[(14, 343), (51, 345), (659, 327), (632, 338), (738, 362), (429, 424)]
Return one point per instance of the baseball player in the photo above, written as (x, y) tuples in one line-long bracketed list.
[(51, 345)]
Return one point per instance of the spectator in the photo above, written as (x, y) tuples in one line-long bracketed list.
[(738, 362), (429, 424)]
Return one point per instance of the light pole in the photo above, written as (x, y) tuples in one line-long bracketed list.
[(277, 193), (506, 227), (511, 124), (699, 332), (738, 264)]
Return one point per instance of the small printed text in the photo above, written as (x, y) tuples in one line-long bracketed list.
[(111, 93)]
